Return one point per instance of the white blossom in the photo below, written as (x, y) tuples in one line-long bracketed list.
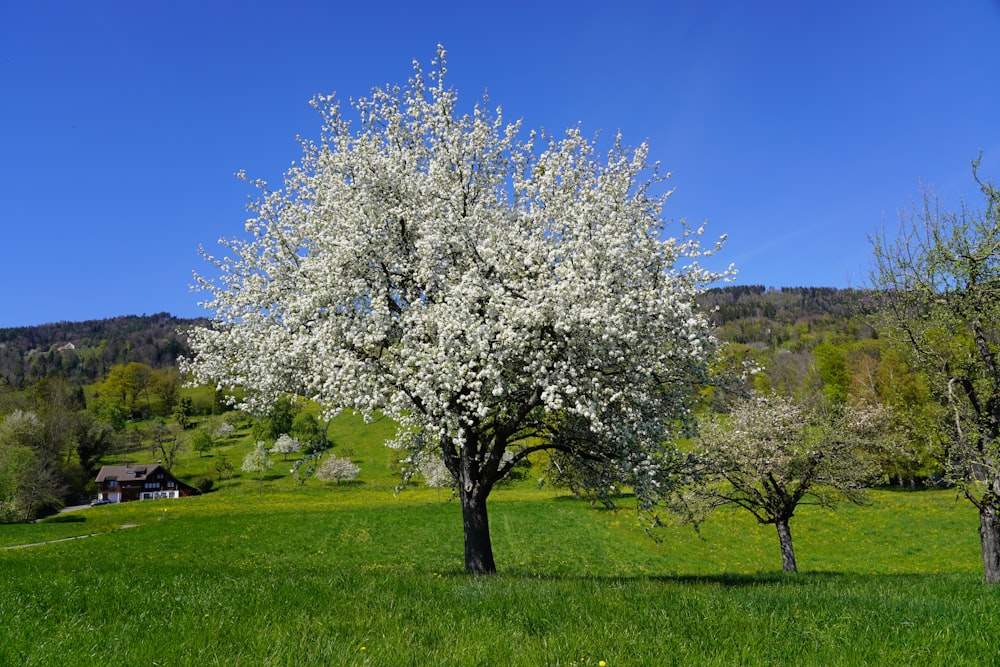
[(335, 469), (472, 284), (286, 444)]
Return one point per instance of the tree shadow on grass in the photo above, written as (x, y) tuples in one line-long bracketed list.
[(921, 486), (723, 580), (734, 580), (345, 483), (65, 518), (783, 579), (618, 501)]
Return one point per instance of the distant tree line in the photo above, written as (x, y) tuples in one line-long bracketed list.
[(753, 314), (83, 352)]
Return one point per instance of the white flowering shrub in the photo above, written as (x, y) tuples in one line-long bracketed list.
[(286, 444), (473, 284), (335, 469)]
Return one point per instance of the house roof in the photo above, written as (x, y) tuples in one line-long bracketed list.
[(126, 473), (138, 473)]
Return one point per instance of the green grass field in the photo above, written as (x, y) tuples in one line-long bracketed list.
[(355, 575)]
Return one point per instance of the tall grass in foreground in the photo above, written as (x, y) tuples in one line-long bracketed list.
[(354, 576)]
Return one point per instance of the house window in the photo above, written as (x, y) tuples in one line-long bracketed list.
[(152, 485), (156, 495), (113, 483)]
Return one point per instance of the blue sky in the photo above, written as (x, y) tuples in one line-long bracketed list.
[(793, 127)]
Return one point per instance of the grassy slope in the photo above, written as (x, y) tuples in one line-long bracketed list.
[(319, 575)]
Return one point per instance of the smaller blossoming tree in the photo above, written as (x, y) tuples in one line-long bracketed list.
[(771, 455), (285, 445), (257, 463), (335, 469)]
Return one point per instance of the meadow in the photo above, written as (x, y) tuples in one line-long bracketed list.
[(354, 574)]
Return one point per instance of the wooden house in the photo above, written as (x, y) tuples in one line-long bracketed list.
[(119, 484)]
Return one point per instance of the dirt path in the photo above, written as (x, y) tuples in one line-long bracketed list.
[(63, 539)]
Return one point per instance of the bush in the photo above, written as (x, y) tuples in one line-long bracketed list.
[(204, 484), (224, 468), (201, 441), (337, 470), (285, 445)]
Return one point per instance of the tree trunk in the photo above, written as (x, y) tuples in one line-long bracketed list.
[(787, 552), (478, 547), (989, 535)]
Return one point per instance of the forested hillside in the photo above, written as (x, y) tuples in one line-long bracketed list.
[(82, 352), (759, 316), (816, 343)]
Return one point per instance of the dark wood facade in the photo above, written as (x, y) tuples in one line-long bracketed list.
[(120, 484)]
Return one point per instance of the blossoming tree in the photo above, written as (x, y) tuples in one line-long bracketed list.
[(285, 445), (479, 287), (771, 455), (257, 463), (335, 469)]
